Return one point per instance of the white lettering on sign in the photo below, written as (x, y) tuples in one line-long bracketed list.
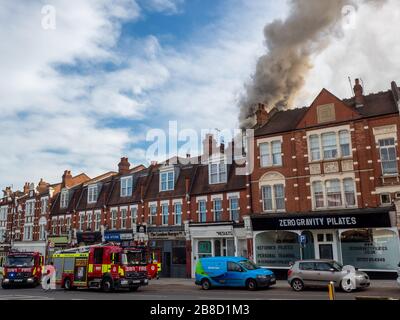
[(307, 222)]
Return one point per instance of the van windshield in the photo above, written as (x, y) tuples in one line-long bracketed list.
[(247, 264)]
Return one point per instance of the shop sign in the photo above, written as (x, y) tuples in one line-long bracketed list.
[(167, 235), (89, 237), (333, 221), (58, 240), (114, 236)]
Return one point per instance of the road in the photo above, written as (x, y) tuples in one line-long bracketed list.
[(184, 289)]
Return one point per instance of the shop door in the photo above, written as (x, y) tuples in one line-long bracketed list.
[(326, 246), (166, 269)]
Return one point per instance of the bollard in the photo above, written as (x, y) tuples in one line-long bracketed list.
[(331, 291)]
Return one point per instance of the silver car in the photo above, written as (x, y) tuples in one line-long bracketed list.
[(317, 273)]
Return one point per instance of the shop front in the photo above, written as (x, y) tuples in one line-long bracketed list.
[(215, 240), (366, 238), (167, 246)]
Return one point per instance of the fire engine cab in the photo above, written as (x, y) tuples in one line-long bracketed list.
[(22, 269), (104, 267)]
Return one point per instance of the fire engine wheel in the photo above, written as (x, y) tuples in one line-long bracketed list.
[(107, 285), (68, 284)]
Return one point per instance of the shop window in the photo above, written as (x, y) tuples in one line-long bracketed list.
[(386, 199), (204, 249), (320, 237), (329, 237), (370, 249), (277, 248)]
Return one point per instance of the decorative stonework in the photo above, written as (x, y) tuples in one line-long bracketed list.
[(331, 167), (385, 130), (315, 168), (347, 165), (326, 113)]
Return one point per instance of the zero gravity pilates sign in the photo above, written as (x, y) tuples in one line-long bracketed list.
[(323, 221)]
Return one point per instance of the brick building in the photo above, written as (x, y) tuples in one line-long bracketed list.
[(326, 181)]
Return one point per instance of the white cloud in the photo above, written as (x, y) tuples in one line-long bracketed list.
[(168, 6)]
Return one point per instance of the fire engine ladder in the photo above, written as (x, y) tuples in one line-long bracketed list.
[(82, 249)]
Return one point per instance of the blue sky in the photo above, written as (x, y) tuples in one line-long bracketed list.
[(85, 94)]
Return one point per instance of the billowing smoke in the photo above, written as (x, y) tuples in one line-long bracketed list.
[(280, 74)]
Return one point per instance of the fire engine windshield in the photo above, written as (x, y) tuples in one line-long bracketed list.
[(23, 261), (135, 257)]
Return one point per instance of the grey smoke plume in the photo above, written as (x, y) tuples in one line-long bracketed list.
[(280, 74)]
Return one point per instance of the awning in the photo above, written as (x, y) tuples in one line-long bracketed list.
[(341, 219)]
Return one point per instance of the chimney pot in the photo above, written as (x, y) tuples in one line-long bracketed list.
[(67, 179)]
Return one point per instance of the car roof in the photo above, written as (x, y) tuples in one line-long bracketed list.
[(316, 260), (233, 259)]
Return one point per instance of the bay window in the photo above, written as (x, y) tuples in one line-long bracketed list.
[(329, 145), (334, 193)]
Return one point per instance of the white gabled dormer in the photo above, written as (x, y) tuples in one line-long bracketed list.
[(64, 198), (93, 193), (126, 186)]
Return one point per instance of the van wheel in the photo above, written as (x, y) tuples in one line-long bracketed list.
[(297, 285), (107, 285), (251, 284), (206, 284)]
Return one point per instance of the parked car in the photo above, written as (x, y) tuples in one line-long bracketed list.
[(398, 274), (232, 272), (316, 273)]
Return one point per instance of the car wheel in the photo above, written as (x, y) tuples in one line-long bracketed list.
[(346, 285), (251, 284), (206, 284), (297, 285), (107, 285)]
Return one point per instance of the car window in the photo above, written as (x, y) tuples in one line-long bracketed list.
[(234, 267), (323, 266), (306, 266)]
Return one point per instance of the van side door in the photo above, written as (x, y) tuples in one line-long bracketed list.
[(235, 275)]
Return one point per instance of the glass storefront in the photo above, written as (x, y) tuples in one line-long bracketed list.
[(277, 248), (375, 249)]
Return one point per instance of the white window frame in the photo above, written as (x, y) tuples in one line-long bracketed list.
[(323, 180), (214, 200), (28, 226), (230, 198), (336, 131), (97, 220), (205, 211), (113, 218), (170, 183), (124, 219), (126, 186), (44, 203), (134, 209), (394, 146), (176, 214), (163, 215), (81, 221), (68, 222), (222, 175), (273, 197), (93, 193), (89, 220), (153, 217), (64, 199)]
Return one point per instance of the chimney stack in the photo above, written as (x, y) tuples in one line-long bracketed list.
[(42, 186), (261, 115), (209, 145), (26, 188), (123, 166), (67, 179), (395, 91), (359, 94)]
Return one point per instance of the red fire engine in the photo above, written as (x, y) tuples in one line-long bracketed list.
[(140, 256), (22, 268), (103, 267)]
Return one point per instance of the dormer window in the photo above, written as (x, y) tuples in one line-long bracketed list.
[(217, 173), (167, 181), (64, 199), (126, 186), (93, 193)]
